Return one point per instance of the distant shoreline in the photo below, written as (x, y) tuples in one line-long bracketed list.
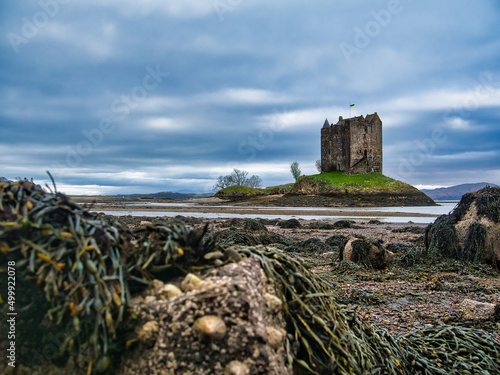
[(216, 206)]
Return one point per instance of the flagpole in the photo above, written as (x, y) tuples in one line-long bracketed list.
[(350, 108)]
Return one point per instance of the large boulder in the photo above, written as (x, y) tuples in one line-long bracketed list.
[(267, 238), (234, 236), (314, 245), (337, 241), (366, 253), (290, 224), (471, 232), (253, 225)]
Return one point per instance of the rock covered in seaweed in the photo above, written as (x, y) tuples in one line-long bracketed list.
[(471, 232), (71, 286), (366, 253), (248, 303)]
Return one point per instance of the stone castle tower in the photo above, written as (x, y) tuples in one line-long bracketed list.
[(353, 145)]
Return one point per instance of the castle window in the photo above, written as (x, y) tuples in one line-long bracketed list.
[(364, 136), (366, 153)]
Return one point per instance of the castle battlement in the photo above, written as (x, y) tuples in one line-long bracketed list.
[(353, 145)]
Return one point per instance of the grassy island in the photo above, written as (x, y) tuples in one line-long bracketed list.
[(336, 188)]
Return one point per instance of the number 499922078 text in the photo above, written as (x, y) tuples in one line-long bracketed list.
[(11, 285)]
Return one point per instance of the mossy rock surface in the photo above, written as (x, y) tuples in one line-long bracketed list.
[(471, 232)]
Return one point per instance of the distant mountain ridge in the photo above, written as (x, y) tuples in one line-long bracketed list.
[(167, 195), (455, 193)]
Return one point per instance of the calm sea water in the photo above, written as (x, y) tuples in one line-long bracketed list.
[(443, 208)]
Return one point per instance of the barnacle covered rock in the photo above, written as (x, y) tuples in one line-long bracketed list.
[(474, 310), (224, 327), (76, 272)]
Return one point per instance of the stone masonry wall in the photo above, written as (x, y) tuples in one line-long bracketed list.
[(352, 145)]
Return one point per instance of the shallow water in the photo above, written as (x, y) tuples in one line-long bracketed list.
[(442, 209), (384, 219)]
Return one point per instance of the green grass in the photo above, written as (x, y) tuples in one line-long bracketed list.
[(270, 189), (239, 189), (368, 182), (331, 181), (245, 190)]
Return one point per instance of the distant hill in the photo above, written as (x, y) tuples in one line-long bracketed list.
[(167, 195), (455, 193)]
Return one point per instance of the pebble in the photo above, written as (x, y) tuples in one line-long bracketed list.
[(236, 368), (273, 302), (232, 255), (168, 292), (149, 299), (275, 336), (210, 326), (156, 284), (213, 255), (148, 331), (190, 282)]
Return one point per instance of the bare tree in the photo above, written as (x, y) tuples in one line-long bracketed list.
[(295, 169), (237, 177), (254, 182), (223, 182), (318, 165)]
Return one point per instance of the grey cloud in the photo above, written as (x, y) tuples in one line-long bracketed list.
[(228, 79)]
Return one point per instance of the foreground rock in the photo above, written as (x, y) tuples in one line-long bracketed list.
[(217, 318), (471, 232), (474, 310), (367, 254), (231, 323)]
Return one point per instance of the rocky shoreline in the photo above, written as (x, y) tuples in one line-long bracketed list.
[(149, 290), (333, 199), (414, 292)]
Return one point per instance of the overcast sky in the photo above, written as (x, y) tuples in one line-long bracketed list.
[(161, 95)]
